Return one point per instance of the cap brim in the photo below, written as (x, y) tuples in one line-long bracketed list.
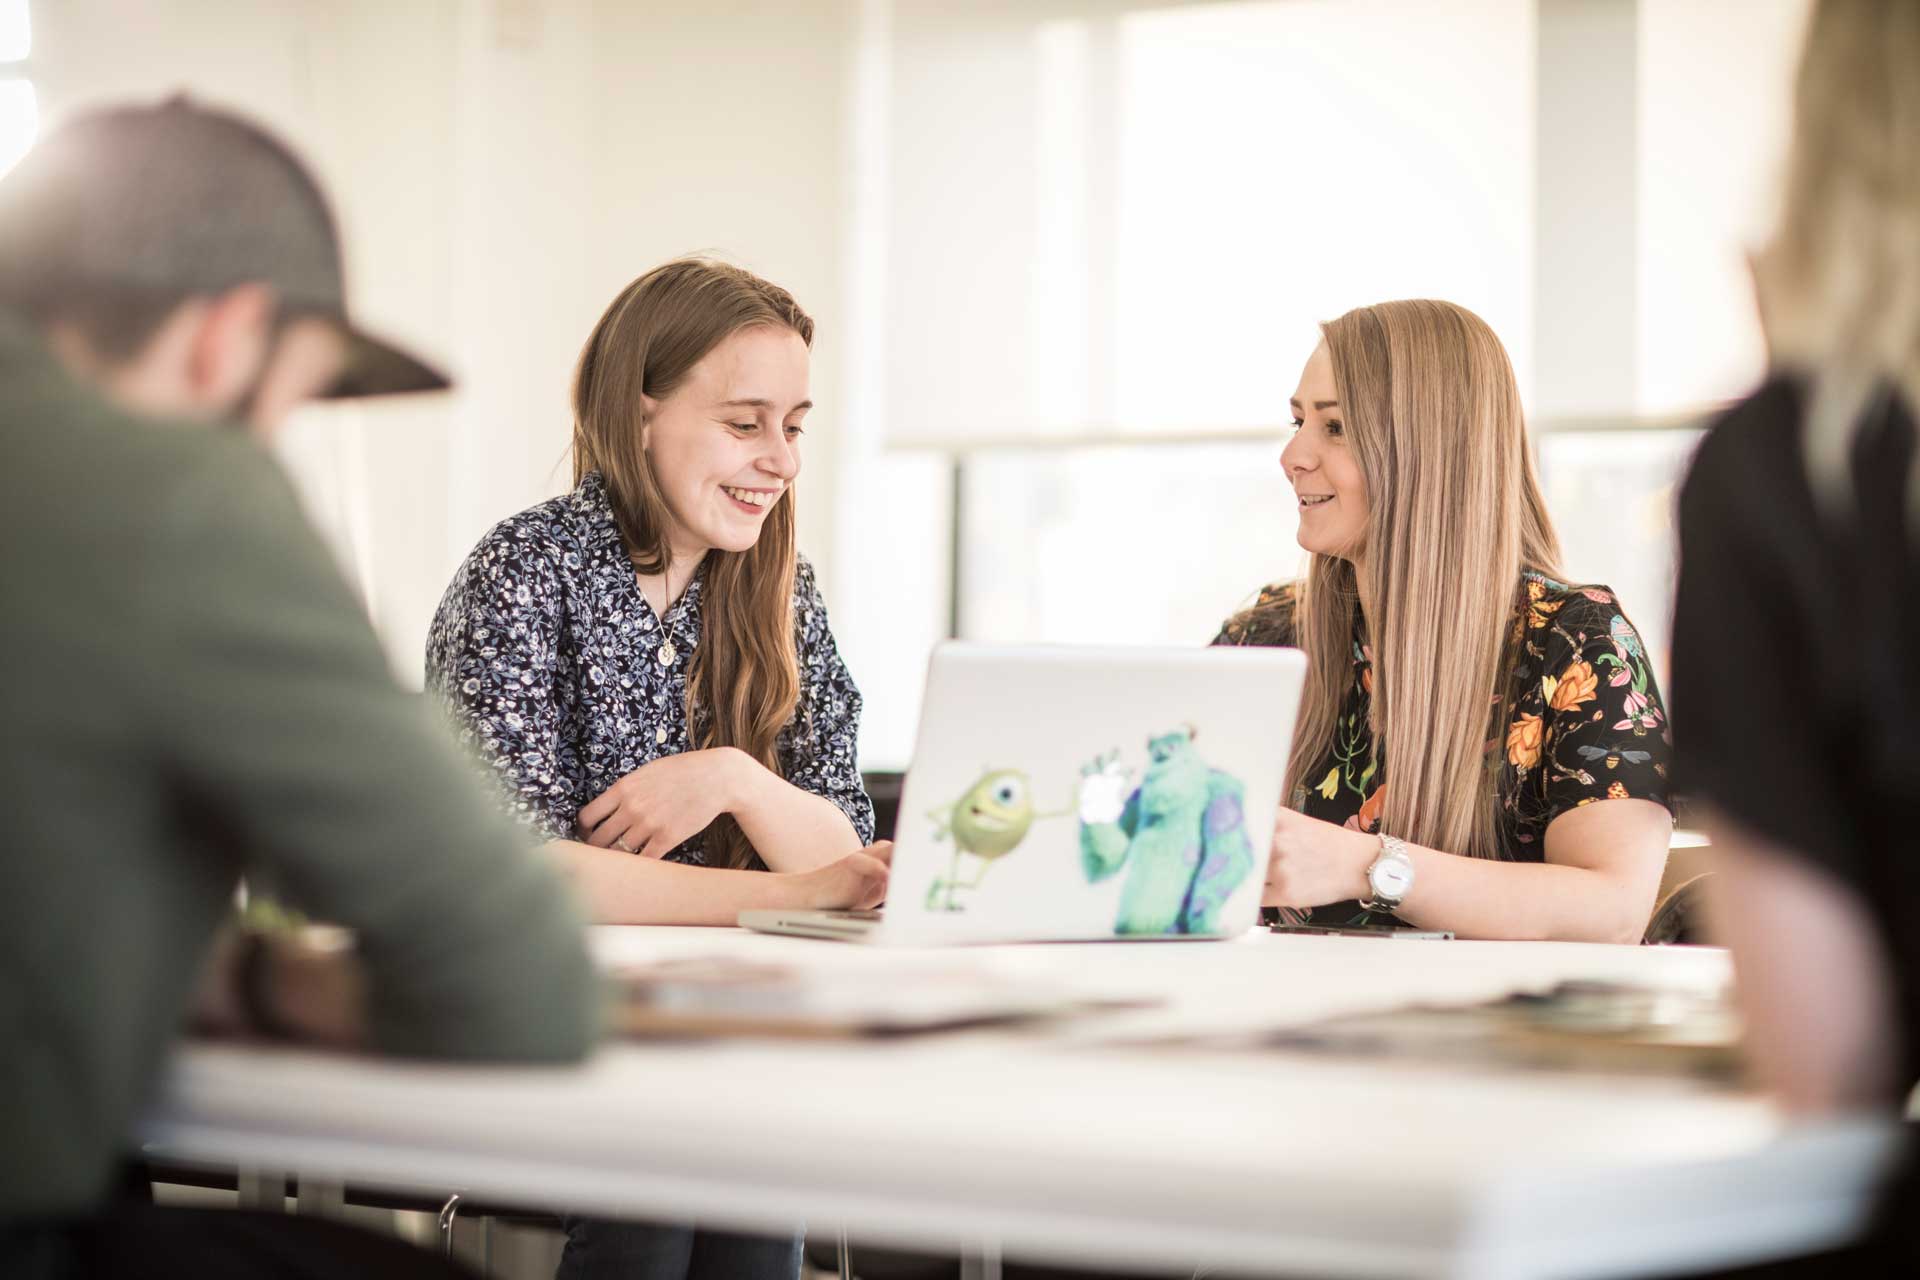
[(377, 368)]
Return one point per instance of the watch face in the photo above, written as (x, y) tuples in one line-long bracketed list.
[(1392, 878)]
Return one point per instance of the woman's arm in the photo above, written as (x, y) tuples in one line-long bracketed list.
[(810, 819), (1814, 989), (791, 829), (620, 888), (1602, 870), (663, 804)]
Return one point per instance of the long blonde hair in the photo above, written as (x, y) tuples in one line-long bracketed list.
[(1432, 413), (1839, 283), (745, 679)]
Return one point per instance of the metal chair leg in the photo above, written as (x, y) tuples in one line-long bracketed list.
[(448, 1213), (846, 1258)]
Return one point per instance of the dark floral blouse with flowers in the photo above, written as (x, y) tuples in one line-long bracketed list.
[(1581, 715), (562, 679)]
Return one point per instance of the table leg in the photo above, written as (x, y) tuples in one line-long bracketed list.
[(318, 1198), (984, 1265), (261, 1189)]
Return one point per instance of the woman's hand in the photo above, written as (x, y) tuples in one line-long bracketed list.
[(857, 882), (1314, 862), (660, 806)]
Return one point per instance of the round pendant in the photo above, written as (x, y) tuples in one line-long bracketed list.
[(667, 654), (660, 736)]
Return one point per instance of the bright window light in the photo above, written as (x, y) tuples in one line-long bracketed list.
[(19, 119), (16, 31)]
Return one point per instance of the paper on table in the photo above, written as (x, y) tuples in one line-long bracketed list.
[(1577, 1026), (721, 995)]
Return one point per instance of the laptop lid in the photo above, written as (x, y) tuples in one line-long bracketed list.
[(1069, 792)]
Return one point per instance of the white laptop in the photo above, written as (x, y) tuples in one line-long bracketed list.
[(1074, 794)]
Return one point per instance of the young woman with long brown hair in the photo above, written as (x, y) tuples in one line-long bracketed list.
[(1481, 746), (646, 663)]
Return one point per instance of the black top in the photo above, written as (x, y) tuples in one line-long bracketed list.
[(1793, 648), (1582, 719), (563, 678)]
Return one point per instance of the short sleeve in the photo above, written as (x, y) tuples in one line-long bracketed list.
[(820, 752), (1606, 735), (492, 658), (1269, 620)]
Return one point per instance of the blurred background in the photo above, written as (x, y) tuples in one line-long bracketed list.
[(1066, 257)]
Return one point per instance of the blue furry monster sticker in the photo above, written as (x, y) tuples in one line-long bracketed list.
[(1181, 834)]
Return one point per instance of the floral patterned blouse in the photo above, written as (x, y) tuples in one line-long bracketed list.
[(563, 679), (1582, 717)]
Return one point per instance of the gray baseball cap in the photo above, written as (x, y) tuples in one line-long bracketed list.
[(180, 199)]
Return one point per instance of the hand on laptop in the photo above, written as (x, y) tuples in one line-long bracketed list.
[(857, 882)]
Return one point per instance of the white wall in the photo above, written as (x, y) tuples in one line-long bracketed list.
[(501, 168), (1713, 132)]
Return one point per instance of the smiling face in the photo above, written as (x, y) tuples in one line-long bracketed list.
[(1321, 466), (725, 445)]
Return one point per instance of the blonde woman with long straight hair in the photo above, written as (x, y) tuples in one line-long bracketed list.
[(1797, 622), (1481, 747)]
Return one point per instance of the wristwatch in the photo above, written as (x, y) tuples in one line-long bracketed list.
[(1390, 877)]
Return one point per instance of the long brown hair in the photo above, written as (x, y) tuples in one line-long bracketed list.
[(1454, 514), (745, 679)]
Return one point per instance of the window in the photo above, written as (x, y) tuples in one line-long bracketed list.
[(1612, 494), (1108, 241), (1107, 233), (1121, 544)]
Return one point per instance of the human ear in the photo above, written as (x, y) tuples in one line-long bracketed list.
[(229, 345)]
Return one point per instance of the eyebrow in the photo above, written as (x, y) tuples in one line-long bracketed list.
[(762, 404), (1319, 405)]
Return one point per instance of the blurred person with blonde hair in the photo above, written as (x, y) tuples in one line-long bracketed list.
[(646, 665), (1481, 746), (1797, 625)]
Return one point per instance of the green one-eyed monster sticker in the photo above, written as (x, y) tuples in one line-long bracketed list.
[(1181, 833), (988, 821)]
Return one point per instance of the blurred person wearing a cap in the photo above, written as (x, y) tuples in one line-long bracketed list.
[(192, 694)]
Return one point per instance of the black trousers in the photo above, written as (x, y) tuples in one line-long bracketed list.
[(138, 1241)]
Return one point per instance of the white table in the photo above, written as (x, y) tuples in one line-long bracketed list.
[(1064, 1146)]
